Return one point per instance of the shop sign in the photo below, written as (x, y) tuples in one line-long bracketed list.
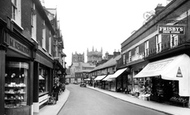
[(171, 29), (19, 46)]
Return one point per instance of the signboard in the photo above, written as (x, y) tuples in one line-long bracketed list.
[(171, 29), (16, 45)]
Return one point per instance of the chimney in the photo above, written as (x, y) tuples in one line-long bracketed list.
[(159, 8)]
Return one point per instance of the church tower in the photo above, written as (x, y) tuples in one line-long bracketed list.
[(77, 57), (94, 56)]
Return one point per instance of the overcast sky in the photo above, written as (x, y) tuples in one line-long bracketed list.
[(99, 23)]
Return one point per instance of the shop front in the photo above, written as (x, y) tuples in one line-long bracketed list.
[(43, 79), (17, 53), (98, 81), (119, 80), (167, 80), (59, 73)]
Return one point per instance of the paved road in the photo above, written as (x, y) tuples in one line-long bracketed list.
[(85, 101)]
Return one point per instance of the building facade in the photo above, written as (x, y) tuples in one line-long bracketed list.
[(27, 60), (156, 46)]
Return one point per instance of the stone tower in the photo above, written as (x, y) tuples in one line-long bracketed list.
[(94, 56), (77, 57)]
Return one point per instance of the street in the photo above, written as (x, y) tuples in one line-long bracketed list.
[(85, 101)]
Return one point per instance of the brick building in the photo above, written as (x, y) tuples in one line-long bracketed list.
[(151, 54), (27, 56)]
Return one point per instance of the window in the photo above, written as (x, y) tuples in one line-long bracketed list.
[(43, 80), (124, 59), (16, 80), (16, 11), (44, 36), (174, 40), (146, 48), (33, 22), (158, 43), (50, 45), (130, 57), (137, 51)]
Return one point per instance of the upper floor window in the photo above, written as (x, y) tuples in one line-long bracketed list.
[(16, 11), (50, 44), (158, 43), (174, 40), (137, 51), (130, 56), (124, 59), (33, 22), (44, 36), (146, 48)]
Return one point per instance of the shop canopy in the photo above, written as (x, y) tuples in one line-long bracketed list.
[(117, 73), (174, 68), (98, 78), (40, 77), (87, 79), (108, 78)]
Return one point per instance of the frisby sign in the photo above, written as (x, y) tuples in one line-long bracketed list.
[(171, 29)]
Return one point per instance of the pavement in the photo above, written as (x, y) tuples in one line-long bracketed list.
[(55, 108), (166, 108)]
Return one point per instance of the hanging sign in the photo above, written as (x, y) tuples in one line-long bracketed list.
[(179, 74), (171, 29)]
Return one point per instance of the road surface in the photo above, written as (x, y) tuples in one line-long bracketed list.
[(86, 101)]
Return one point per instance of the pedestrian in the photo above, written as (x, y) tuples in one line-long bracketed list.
[(55, 91)]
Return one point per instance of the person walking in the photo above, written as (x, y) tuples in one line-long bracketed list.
[(55, 90)]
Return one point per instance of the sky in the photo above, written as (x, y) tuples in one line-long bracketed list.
[(99, 23)]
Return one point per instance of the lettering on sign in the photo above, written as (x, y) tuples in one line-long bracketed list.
[(19, 46), (168, 29)]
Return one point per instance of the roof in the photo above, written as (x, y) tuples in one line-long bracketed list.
[(109, 63)]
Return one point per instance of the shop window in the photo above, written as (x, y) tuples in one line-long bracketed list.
[(16, 78), (43, 80)]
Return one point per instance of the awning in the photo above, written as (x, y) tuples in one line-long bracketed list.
[(108, 78), (174, 68), (87, 79), (40, 77), (117, 73), (98, 78)]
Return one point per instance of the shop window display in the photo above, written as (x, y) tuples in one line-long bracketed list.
[(142, 88), (16, 84), (43, 81)]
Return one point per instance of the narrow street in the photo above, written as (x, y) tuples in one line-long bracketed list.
[(85, 101)]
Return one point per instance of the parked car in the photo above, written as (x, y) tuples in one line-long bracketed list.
[(82, 84)]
